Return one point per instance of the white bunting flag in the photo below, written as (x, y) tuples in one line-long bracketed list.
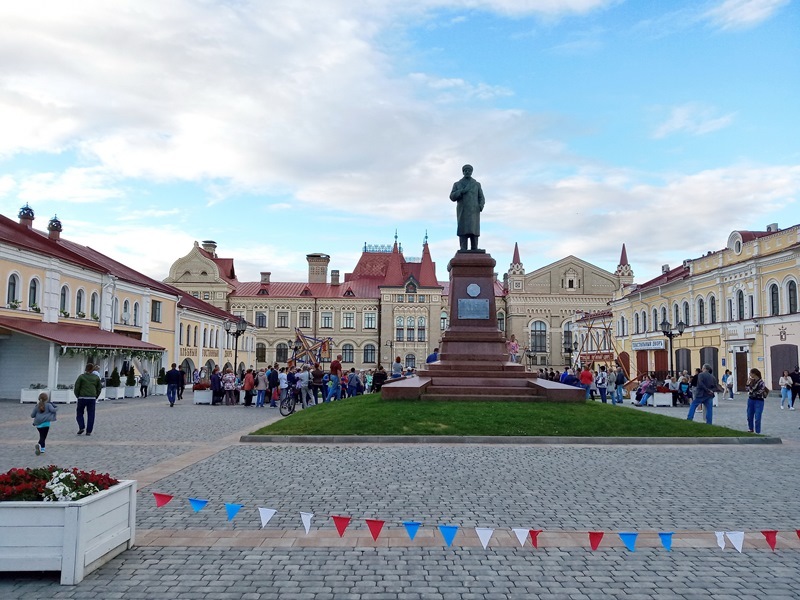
[(484, 534), (266, 515), (736, 538), (522, 535), (307, 520), (720, 539)]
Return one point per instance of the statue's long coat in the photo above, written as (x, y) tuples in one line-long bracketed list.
[(470, 205)]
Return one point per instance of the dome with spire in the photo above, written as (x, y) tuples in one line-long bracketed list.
[(54, 224), (26, 212)]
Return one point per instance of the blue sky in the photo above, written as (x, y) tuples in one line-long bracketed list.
[(284, 128)]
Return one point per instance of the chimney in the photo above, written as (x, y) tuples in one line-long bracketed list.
[(318, 267), (54, 227), (265, 276), (26, 216), (772, 228), (210, 246), (335, 277), (665, 268)]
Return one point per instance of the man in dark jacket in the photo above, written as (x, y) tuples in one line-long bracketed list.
[(274, 383), (704, 391), (173, 383), (87, 388), (216, 387)]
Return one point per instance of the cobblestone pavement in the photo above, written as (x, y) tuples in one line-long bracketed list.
[(192, 451)]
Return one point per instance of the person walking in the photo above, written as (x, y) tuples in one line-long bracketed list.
[(757, 392), (144, 383), (303, 386), (274, 386), (703, 393), (727, 382), (247, 386), (217, 391), (785, 383), (352, 383), (795, 377), (587, 379), (316, 384), (261, 387), (335, 379), (229, 385), (283, 384), (174, 379), (44, 413), (182, 385), (86, 389), (601, 382)]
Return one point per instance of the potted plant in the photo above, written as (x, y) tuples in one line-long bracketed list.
[(161, 382), (113, 389), (64, 313), (80, 314), (13, 304), (35, 308), (54, 519), (202, 392), (63, 393), (95, 317), (131, 391)]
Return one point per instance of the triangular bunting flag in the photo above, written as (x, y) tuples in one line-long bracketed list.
[(521, 533), (629, 539), (266, 514), (412, 527), (232, 509), (736, 538), (772, 538), (534, 533), (341, 523), (197, 504), (375, 527), (666, 539), (161, 499), (594, 539), (484, 535), (720, 539), (448, 533), (306, 517), (797, 531)]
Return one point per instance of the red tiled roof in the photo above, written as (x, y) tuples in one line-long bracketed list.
[(749, 236), (69, 334), (188, 301), (623, 258), (516, 259), (361, 288), (668, 277), (225, 266)]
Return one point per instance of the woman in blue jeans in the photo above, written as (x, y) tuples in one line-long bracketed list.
[(757, 391)]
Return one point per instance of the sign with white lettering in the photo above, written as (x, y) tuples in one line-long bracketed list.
[(473, 309), (649, 345)]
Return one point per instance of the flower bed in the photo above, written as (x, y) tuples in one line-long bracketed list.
[(66, 520)]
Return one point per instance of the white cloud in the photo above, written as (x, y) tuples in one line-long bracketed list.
[(694, 119), (80, 185), (457, 89), (7, 185), (742, 14)]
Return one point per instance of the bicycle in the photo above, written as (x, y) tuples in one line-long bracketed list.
[(289, 404)]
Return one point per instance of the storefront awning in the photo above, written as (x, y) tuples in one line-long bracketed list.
[(70, 335)]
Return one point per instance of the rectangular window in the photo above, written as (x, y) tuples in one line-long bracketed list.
[(370, 321), (421, 298), (420, 333), (409, 335), (305, 320), (206, 296), (326, 320), (261, 319), (282, 320), (401, 298), (156, 311), (348, 320), (196, 294), (398, 334)]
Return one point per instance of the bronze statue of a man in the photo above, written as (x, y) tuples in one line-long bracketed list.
[(468, 194)]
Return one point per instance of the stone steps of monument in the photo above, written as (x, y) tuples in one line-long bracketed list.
[(478, 382), (460, 370), (480, 390), (479, 397)]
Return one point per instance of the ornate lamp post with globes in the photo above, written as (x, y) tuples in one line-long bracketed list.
[(666, 329), (236, 329)]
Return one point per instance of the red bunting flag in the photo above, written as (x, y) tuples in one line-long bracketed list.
[(341, 524), (534, 533), (161, 499), (375, 527), (798, 532), (772, 538), (594, 539)]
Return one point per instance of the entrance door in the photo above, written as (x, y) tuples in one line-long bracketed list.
[(783, 357), (741, 371), (662, 363), (625, 361), (641, 362)]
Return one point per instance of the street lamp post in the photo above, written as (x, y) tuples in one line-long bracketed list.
[(666, 329), (390, 345), (236, 329), (569, 349)]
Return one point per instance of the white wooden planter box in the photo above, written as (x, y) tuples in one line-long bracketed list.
[(660, 399), (72, 537), (60, 396), (115, 393), (132, 391), (161, 390), (202, 396)]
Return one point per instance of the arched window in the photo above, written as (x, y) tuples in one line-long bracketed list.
[(701, 312), (421, 329), (136, 314), (115, 309), (13, 289), (411, 361), (663, 315), (636, 323), (501, 321), (677, 313), (654, 322), (369, 353), (126, 312), (195, 336), (282, 353), (538, 336), (443, 321), (33, 294), (644, 321), (686, 313), (410, 329), (792, 289), (347, 353), (261, 352), (731, 316), (567, 333), (180, 335), (80, 301), (740, 304), (93, 306), (774, 300), (64, 300), (205, 337), (398, 329), (712, 305)]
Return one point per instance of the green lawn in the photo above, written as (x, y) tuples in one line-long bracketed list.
[(369, 415)]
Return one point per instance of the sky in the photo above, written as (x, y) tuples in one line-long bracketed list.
[(283, 128)]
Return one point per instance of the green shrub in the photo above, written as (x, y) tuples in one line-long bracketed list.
[(131, 380), (114, 380)]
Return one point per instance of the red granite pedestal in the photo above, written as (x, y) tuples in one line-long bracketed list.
[(473, 361)]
